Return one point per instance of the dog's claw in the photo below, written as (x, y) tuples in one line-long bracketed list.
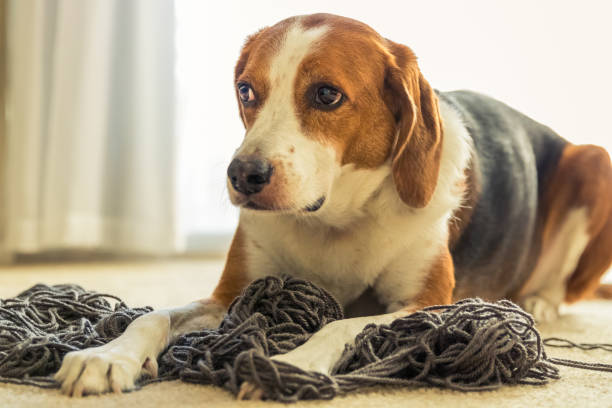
[(250, 391)]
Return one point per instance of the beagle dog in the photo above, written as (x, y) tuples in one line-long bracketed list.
[(357, 175)]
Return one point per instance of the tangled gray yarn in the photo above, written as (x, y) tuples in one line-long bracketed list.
[(271, 316), (471, 345), (43, 323)]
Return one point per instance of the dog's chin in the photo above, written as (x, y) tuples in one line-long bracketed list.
[(255, 206)]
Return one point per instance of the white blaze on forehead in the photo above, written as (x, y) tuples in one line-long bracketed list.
[(297, 44), (278, 117)]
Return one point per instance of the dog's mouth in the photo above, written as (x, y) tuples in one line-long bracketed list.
[(254, 206), (315, 206)]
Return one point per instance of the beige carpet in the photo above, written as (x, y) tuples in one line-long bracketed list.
[(162, 284)]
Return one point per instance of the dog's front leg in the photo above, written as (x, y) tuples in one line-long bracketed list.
[(321, 352), (116, 365), (324, 348)]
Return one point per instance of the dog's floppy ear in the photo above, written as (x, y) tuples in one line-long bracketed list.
[(418, 145)]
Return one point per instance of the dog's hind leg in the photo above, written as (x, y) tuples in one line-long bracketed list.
[(577, 232)]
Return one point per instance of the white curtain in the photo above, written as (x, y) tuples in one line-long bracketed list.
[(89, 161)]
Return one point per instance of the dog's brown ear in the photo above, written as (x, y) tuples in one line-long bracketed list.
[(418, 144)]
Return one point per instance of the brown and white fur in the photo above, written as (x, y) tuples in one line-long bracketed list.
[(384, 193)]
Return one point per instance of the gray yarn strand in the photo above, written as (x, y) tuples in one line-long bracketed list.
[(564, 343)]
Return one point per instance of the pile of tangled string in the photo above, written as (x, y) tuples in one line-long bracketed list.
[(471, 345)]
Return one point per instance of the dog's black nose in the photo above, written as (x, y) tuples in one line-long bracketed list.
[(249, 175)]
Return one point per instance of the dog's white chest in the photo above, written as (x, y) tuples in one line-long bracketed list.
[(343, 262)]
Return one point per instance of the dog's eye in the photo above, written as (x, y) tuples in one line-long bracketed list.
[(245, 92), (328, 96)]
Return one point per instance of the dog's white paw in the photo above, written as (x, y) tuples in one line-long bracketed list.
[(101, 369), (542, 310)]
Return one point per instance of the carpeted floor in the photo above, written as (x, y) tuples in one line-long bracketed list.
[(162, 284)]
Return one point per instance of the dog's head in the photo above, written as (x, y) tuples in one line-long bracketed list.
[(321, 94)]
